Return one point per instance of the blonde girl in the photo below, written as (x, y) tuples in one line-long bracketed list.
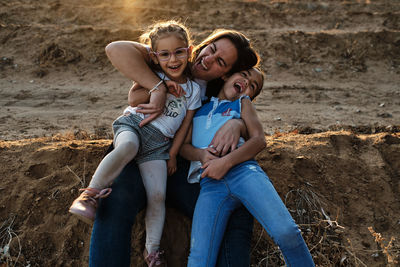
[(150, 145)]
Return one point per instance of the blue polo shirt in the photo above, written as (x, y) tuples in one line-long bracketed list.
[(206, 122)]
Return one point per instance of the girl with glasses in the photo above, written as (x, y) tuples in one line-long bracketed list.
[(150, 145)]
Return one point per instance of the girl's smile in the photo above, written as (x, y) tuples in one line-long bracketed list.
[(172, 55), (248, 82)]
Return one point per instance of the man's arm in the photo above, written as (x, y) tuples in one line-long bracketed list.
[(138, 95), (131, 59)]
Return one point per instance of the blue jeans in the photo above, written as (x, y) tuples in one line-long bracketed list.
[(110, 243), (248, 184)]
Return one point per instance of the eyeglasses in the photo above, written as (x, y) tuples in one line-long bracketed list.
[(165, 55)]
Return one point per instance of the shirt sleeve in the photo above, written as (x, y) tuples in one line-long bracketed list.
[(195, 99)]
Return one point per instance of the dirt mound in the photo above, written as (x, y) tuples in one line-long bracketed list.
[(314, 174)]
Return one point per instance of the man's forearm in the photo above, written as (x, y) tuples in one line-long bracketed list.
[(131, 59)]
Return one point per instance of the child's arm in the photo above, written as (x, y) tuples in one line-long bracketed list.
[(217, 168), (178, 141)]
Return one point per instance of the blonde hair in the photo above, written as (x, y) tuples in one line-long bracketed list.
[(160, 29)]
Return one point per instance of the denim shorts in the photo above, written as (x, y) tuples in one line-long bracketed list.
[(153, 144)]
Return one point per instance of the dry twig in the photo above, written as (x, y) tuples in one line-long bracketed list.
[(7, 234)]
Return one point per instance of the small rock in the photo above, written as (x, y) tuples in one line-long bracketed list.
[(31, 81), (312, 6), (385, 115), (308, 183), (6, 61), (382, 105), (318, 70), (40, 73), (278, 119), (282, 64), (93, 59), (324, 5)]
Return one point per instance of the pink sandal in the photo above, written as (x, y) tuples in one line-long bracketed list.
[(85, 205), (154, 259)]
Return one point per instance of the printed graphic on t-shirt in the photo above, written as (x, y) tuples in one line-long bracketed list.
[(227, 112), (173, 108)]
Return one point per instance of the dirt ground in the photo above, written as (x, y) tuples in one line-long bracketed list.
[(330, 109)]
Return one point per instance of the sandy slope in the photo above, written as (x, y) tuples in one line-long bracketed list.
[(330, 65), (353, 179)]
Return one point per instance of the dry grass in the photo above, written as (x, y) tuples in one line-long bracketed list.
[(324, 235), (82, 180), (9, 243), (387, 250)]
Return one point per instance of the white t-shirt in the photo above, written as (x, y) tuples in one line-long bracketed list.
[(175, 108)]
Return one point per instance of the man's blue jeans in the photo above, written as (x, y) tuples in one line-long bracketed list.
[(111, 235), (248, 184)]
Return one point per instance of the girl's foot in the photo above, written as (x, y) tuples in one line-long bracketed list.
[(154, 259), (86, 204)]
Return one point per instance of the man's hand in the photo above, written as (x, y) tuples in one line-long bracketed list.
[(207, 155), (155, 107), (226, 138)]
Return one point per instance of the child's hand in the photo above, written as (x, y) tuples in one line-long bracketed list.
[(174, 88), (171, 165), (207, 155), (154, 108), (215, 168)]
